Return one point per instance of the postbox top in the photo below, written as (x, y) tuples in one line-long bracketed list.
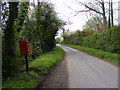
[(23, 40)]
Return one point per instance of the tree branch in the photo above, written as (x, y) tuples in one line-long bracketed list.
[(90, 8), (77, 12), (93, 9)]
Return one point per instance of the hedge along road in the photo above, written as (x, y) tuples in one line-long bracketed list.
[(82, 71)]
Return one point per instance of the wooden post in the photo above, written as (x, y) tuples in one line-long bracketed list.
[(26, 61)]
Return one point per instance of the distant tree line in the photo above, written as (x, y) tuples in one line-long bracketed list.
[(108, 40)]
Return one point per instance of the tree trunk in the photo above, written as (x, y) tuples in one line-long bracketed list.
[(104, 16), (9, 40), (112, 21), (109, 21)]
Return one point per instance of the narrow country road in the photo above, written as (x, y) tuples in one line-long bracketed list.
[(80, 70)]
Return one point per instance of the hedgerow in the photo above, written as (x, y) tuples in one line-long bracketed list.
[(107, 41)]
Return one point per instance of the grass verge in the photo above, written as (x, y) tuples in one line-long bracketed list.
[(107, 56), (38, 67)]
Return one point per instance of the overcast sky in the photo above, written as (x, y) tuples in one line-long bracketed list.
[(77, 22), (67, 14), (61, 7)]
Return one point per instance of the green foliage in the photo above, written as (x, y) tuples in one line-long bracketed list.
[(94, 24), (9, 47), (39, 66), (78, 38), (107, 56), (112, 43), (58, 40), (66, 38), (13, 12), (73, 37), (39, 26), (40, 29), (108, 40), (23, 11)]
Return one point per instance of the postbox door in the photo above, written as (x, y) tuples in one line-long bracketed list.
[(24, 49)]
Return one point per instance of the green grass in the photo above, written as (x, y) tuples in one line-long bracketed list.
[(23, 80), (38, 67), (44, 62), (107, 56)]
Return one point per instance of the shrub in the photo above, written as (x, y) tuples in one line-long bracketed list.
[(108, 40)]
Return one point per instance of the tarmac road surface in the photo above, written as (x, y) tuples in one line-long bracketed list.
[(81, 70)]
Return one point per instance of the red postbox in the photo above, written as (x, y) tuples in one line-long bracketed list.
[(24, 49)]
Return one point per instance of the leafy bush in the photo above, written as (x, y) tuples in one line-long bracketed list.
[(108, 40)]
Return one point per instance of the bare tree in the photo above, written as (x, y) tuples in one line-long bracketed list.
[(109, 21), (112, 18), (98, 7), (95, 6)]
